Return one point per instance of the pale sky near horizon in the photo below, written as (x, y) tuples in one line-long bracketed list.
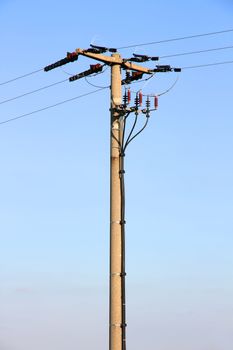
[(54, 206)]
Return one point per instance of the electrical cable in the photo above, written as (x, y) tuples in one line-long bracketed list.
[(139, 132), (123, 272), (133, 45), (48, 107), (105, 87), (96, 86), (46, 87), (131, 131), (32, 92), (197, 52), (164, 56), (21, 76), (161, 93), (169, 89), (207, 65), (123, 145), (176, 39)]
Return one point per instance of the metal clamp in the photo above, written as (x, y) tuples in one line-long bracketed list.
[(120, 274), (121, 325)]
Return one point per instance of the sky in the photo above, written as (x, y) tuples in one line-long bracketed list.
[(54, 188)]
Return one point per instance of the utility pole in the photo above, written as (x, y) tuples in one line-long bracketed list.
[(115, 296), (118, 115)]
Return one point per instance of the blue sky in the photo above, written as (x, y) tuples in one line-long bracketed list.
[(54, 205)]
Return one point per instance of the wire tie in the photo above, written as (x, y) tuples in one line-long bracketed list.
[(121, 171), (123, 222)]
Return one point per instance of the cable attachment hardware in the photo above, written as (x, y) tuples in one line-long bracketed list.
[(100, 49), (129, 78), (165, 68), (122, 325), (143, 58)]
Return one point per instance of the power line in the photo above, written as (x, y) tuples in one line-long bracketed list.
[(207, 65), (197, 52), (45, 87), (21, 76), (133, 45), (51, 106), (176, 39), (33, 91), (105, 87)]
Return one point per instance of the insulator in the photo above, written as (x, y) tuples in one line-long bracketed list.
[(137, 75), (136, 100), (127, 75), (140, 98), (129, 95), (154, 58), (156, 102), (148, 102), (96, 67), (70, 57), (125, 98)]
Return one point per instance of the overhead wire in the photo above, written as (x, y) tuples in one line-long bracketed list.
[(46, 87), (33, 91), (21, 76), (207, 65), (176, 39), (48, 107), (140, 44), (197, 52)]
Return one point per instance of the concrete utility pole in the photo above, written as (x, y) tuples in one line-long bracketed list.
[(118, 114), (117, 323), (115, 316)]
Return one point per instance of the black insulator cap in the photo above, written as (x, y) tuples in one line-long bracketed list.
[(148, 102), (155, 58), (112, 49)]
